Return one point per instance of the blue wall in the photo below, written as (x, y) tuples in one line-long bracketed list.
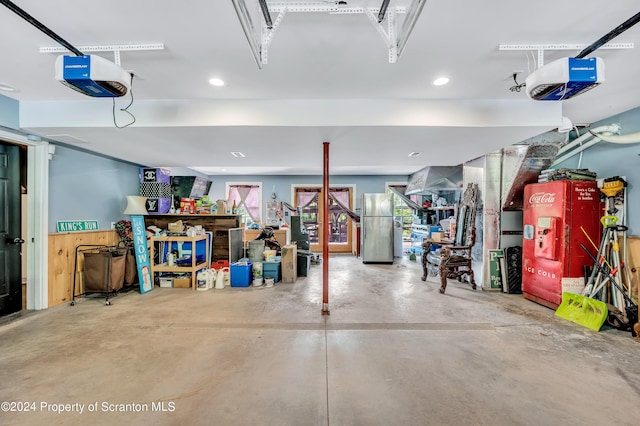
[(281, 185), (83, 186), (9, 112), (609, 159)]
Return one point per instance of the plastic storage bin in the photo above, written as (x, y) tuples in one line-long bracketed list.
[(271, 270), (241, 275)]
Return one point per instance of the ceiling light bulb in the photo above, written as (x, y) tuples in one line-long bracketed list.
[(216, 82), (440, 81)]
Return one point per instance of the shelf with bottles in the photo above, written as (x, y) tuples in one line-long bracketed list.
[(437, 207), (197, 261), (418, 234)]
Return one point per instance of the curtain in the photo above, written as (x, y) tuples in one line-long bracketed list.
[(305, 197), (341, 198), (247, 197)]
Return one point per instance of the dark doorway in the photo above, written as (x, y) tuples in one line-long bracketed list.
[(10, 230)]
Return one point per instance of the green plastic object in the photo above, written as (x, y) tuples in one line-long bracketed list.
[(412, 256), (582, 310)]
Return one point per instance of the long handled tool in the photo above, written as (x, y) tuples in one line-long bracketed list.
[(582, 309), (585, 309), (629, 316)]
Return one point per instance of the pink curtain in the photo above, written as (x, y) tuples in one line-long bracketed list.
[(304, 198), (247, 196)]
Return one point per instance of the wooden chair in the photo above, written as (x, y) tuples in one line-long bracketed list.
[(453, 259)]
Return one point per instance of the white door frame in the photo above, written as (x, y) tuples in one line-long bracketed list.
[(37, 241)]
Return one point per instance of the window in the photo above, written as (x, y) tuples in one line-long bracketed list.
[(401, 210), (248, 199)]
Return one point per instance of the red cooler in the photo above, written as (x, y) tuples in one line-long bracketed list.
[(555, 215)]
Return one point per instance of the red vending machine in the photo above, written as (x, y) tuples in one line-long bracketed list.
[(555, 215)]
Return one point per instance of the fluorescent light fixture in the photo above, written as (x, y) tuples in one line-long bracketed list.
[(216, 82), (440, 81), (7, 88), (237, 154), (414, 154)]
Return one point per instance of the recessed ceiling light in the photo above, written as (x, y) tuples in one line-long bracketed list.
[(223, 170), (7, 88), (237, 154), (414, 154), (216, 82), (441, 81)]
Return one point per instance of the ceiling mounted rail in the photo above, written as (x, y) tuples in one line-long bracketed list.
[(115, 48), (39, 25), (383, 10), (540, 48), (601, 43), (265, 13), (259, 39)]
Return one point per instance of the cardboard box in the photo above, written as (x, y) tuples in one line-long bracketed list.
[(176, 226), (289, 263), (182, 282)]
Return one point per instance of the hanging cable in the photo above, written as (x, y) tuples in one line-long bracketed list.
[(125, 109), (518, 86)]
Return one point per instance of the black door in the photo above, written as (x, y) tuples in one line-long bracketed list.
[(10, 242)]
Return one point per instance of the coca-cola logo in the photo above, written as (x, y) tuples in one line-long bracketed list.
[(542, 197)]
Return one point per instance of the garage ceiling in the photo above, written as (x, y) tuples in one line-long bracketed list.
[(328, 78)]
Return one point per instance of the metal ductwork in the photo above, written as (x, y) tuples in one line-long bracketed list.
[(435, 178), (521, 165)]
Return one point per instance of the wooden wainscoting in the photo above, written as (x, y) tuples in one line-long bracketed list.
[(62, 252)]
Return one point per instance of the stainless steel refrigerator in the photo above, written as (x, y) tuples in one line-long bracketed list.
[(376, 227)]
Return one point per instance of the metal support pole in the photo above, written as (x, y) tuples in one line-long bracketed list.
[(326, 228)]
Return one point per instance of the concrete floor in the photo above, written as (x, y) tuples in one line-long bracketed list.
[(393, 352)]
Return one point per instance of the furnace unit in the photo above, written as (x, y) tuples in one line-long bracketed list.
[(556, 217)]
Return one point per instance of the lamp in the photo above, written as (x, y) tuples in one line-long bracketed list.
[(136, 205)]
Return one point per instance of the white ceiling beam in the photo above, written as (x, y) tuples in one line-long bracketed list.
[(298, 112)]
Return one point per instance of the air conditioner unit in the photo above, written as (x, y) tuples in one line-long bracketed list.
[(93, 76), (565, 78)]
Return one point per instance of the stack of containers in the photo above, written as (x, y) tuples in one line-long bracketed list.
[(272, 269)]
